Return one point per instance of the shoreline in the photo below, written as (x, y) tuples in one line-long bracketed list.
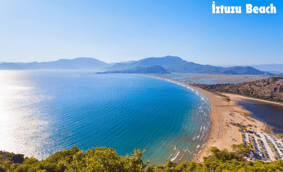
[(204, 93), (224, 114), (241, 97)]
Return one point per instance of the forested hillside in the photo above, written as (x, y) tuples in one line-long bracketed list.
[(103, 159), (268, 89)]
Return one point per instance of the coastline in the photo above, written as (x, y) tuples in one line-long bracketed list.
[(240, 97), (224, 115)]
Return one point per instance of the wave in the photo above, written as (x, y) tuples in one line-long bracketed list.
[(178, 153), (202, 128)]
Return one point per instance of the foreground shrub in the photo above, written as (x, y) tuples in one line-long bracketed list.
[(103, 159)]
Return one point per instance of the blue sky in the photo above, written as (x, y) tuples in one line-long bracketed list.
[(114, 31)]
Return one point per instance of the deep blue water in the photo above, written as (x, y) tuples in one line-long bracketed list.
[(44, 111), (266, 112)]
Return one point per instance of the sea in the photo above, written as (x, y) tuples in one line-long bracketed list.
[(44, 111)]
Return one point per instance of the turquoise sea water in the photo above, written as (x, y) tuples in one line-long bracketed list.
[(43, 111)]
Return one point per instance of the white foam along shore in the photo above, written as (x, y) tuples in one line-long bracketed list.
[(222, 115), (200, 147)]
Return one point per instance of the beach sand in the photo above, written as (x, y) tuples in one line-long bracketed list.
[(223, 134), (225, 115), (215, 78)]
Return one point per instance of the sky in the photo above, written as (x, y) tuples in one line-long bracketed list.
[(124, 30)]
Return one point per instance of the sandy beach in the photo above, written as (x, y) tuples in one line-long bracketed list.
[(226, 116)]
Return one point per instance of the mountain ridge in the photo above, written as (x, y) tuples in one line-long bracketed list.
[(169, 63), (77, 63), (176, 64), (272, 68), (154, 69)]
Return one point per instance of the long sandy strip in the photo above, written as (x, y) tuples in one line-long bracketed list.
[(224, 117)]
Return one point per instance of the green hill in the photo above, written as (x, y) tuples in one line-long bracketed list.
[(267, 89), (103, 159)]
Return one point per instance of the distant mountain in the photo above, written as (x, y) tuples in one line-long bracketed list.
[(155, 69), (169, 63), (78, 63), (165, 62), (9, 66), (176, 64), (270, 67), (238, 70)]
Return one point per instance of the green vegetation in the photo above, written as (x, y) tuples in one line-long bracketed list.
[(266, 130), (241, 149), (267, 89), (14, 158), (103, 159), (279, 135), (261, 145), (276, 154), (242, 140), (246, 115), (226, 97), (253, 145)]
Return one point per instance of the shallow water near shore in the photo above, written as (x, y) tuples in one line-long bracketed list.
[(265, 112), (43, 111)]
